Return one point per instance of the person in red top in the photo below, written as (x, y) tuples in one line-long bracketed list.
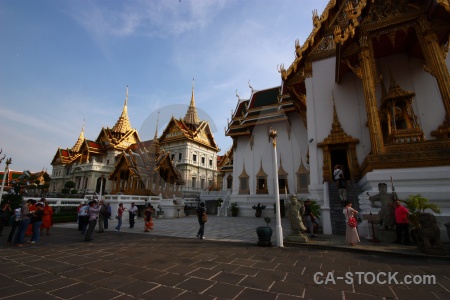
[(401, 223), (47, 219)]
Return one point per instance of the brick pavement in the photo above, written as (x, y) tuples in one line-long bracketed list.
[(137, 266)]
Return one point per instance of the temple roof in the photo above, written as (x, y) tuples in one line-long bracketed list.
[(123, 124), (191, 117), (264, 106)]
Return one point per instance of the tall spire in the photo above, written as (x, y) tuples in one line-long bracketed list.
[(123, 124), (191, 115), (154, 147), (77, 146)]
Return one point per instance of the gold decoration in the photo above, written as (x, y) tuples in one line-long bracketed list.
[(445, 4)]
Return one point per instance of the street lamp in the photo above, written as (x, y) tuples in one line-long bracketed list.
[(279, 229), (8, 162)]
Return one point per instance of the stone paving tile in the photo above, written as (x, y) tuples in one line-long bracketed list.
[(287, 297), (35, 294), (404, 293), (256, 294), (162, 292), (196, 285), (25, 273), (16, 289), (203, 273), (206, 264), (353, 296), (224, 290), (275, 275), (43, 277), (192, 296), (300, 279), (227, 277), (257, 283), (243, 262), (55, 284), (246, 271), (130, 270), (148, 275), (289, 288), (226, 267), (317, 292), (137, 288), (73, 290), (78, 272), (266, 265), (169, 279), (99, 294), (114, 281), (93, 276), (371, 289)]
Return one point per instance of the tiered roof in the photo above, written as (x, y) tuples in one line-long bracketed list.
[(265, 106)]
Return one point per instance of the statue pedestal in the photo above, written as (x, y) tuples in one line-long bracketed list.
[(387, 236), (297, 238)]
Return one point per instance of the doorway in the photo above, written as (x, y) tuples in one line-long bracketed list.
[(339, 157)]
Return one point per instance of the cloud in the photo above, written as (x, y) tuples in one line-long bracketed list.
[(159, 18)]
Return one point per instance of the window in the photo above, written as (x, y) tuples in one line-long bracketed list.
[(194, 157), (243, 183), (210, 162), (202, 183), (194, 181), (229, 181), (203, 160), (179, 156), (261, 181)]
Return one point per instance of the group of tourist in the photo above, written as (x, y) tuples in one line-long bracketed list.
[(91, 212), (29, 220)]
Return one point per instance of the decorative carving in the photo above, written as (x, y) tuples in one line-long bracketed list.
[(243, 182), (338, 136), (357, 70), (261, 181), (445, 4), (385, 9)]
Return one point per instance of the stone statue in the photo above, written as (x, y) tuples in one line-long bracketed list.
[(427, 235), (296, 210), (387, 206)]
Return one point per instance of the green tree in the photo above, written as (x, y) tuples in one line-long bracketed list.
[(69, 185)]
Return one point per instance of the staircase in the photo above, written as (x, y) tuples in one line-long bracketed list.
[(223, 210), (336, 208)]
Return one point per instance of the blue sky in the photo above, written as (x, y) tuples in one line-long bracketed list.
[(65, 63)]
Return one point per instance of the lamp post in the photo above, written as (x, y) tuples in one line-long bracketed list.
[(8, 162), (279, 229)]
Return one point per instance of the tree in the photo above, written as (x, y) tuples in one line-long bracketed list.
[(69, 185)]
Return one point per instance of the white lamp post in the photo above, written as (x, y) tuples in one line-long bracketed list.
[(8, 162), (279, 229)]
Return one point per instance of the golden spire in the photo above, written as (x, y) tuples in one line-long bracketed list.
[(77, 146), (191, 115), (123, 124)]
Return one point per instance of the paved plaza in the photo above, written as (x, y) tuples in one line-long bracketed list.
[(171, 263)]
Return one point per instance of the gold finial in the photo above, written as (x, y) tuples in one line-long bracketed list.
[(123, 124), (191, 115)]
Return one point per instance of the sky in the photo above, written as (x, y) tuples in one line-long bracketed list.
[(67, 64)]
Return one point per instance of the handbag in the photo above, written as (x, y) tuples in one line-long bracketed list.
[(351, 220), (117, 217), (204, 218)]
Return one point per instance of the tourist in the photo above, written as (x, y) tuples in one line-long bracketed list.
[(132, 212), (119, 215), (23, 223), (93, 216), (101, 216), (32, 209), (47, 218), (4, 210), (342, 185), (310, 219), (36, 222), (401, 223), (83, 218), (200, 211), (351, 233), (148, 218), (14, 222), (108, 216), (337, 173)]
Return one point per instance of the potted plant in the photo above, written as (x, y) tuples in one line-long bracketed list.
[(259, 208), (160, 212), (423, 226), (264, 234), (234, 209)]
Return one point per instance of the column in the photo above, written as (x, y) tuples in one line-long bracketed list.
[(373, 120)]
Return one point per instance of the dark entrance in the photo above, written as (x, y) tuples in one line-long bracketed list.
[(339, 157)]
